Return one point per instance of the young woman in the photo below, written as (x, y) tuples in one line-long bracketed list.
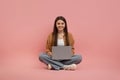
[(60, 37)]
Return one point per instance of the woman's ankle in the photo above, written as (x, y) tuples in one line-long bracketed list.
[(49, 67), (70, 67)]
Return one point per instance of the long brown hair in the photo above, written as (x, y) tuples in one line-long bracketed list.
[(55, 31)]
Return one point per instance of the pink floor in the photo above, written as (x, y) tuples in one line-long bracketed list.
[(21, 66)]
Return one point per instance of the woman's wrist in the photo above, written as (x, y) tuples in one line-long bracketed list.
[(49, 53)]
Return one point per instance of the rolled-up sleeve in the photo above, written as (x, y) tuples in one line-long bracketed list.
[(72, 42), (49, 44)]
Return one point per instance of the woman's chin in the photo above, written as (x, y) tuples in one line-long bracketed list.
[(60, 30)]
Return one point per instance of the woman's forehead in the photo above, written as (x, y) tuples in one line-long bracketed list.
[(60, 21)]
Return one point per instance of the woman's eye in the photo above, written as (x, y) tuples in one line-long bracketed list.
[(58, 23), (62, 23)]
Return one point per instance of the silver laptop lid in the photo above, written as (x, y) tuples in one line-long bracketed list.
[(61, 52)]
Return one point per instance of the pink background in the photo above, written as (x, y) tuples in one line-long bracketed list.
[(25, 25)]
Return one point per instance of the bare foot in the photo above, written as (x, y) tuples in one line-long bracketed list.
[(49, 67), (70, 67)]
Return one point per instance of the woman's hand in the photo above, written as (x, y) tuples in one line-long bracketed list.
[(50, 53)]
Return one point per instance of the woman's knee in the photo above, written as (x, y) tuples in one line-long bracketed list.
[(42, 56), (78, 58)]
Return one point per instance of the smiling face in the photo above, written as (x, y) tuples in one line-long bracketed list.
[(60, 24)]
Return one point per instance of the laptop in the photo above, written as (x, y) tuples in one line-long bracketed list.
[(61, 52)]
